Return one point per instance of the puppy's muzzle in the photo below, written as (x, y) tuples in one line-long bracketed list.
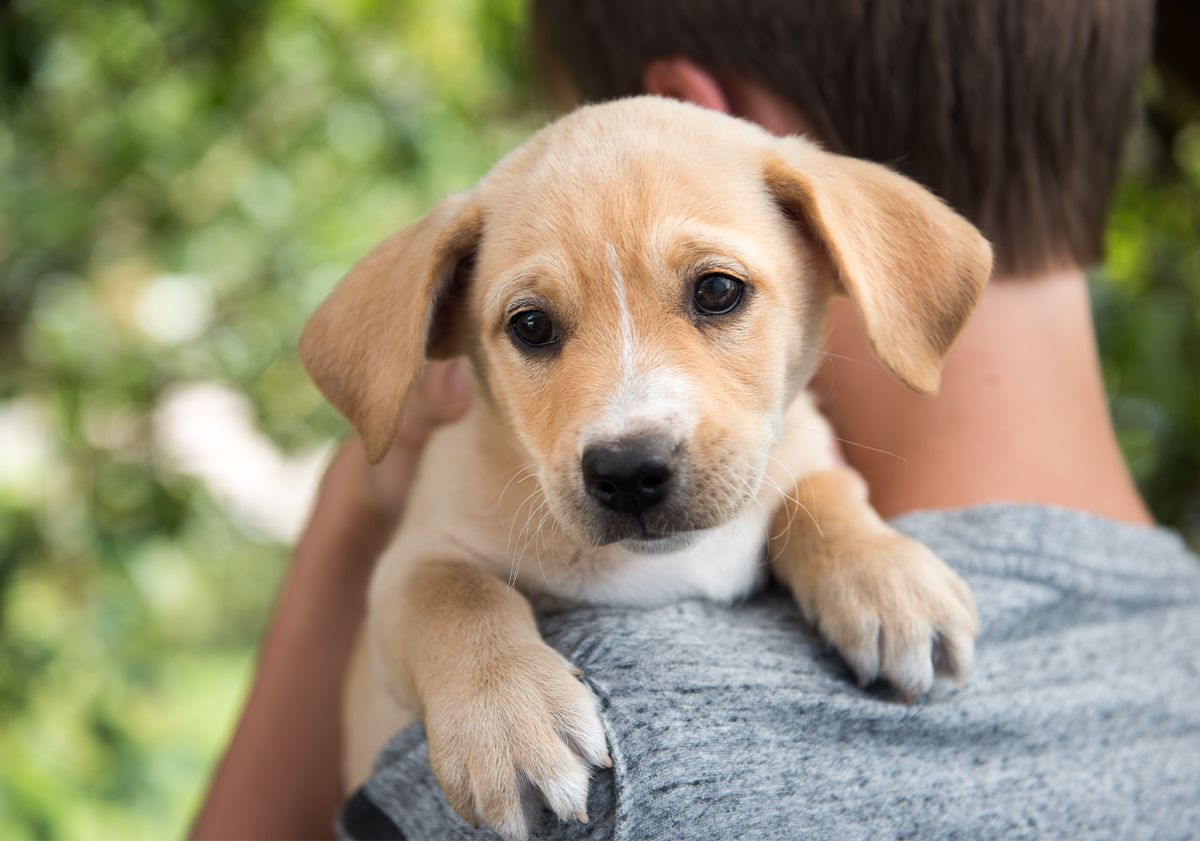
[(630, 475)]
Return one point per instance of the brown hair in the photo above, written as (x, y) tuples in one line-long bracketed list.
[(1014, 111)]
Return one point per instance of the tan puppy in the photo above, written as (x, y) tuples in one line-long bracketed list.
[(640, 288)]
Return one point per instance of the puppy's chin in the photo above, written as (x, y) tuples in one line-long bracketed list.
[(597, 531), (660, 545), (632, 539), (654, 535)]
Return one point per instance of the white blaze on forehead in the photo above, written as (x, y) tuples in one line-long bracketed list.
[(645, 397), (628, 350)]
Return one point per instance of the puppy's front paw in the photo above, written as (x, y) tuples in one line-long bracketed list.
[(895, 611), (521, 722)]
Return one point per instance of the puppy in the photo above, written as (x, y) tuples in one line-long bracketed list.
[(640, 289)]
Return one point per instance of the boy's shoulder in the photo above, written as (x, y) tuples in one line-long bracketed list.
[(736, 720)]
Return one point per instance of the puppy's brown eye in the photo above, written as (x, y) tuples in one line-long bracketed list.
[(717, 294), (533, 328)]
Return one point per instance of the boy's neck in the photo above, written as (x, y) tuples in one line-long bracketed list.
[(1022, 414)]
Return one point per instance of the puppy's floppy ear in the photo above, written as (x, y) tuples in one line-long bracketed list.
[(912, 266), (368, 341)]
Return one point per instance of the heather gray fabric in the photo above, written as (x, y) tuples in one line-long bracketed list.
[(1081, 720)]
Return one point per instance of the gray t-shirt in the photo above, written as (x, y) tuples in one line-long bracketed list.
[(1081, 719)]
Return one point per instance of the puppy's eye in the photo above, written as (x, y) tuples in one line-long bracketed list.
[(718, 294), (533, 328)]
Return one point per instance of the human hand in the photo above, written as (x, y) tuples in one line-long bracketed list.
[(359, 504), (297, 687), (442, 394)]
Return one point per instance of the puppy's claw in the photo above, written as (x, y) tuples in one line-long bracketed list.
[(606, 761), (907, 660), (954, 654), (458, 794), (857, 642), (511, 825), (581, 817), (512, 833)]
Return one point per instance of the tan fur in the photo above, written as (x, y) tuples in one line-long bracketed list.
[(884, 601), (910, 313), (605, 219), (367, 342)]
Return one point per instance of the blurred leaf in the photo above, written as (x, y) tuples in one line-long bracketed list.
[(180, 184)]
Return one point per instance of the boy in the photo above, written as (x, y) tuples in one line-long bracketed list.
[(1081, 706)]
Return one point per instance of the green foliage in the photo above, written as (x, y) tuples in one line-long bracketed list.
[(1147, 304), (180, 183)]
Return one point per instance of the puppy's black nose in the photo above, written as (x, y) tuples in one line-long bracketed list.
[(631, 475)]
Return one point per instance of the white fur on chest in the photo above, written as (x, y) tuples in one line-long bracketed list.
[(723, 564)]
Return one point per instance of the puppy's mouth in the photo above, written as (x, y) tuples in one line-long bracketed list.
[(664, 529), (661, 544)]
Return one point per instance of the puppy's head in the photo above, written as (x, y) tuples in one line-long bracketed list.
[(641, 287)]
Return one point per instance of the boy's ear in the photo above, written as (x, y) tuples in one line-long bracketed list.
[(368, 341), (912, 266)]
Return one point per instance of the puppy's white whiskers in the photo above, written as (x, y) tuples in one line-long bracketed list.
[(734, 493), (528, 470), (538, 547), (516, 564), (795, 500), (508, 546), (807, 510), (791, 473), (848, 441), (786, 531), (533, 512), (869, 363), (832, 376)]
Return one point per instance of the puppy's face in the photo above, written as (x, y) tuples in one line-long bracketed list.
[(642, 320), (641, 286)]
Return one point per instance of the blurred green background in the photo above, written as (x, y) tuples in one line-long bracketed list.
[(180, 184)]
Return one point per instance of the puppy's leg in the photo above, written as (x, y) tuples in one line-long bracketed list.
[(501, 708), (370, 716), (891, 608)]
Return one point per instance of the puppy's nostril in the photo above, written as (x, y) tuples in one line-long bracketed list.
[(605, 489), (652, 481)]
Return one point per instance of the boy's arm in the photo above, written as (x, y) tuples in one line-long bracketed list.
[(280, 776)]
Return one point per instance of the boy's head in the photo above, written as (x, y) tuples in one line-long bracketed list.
[(1012, 111)]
